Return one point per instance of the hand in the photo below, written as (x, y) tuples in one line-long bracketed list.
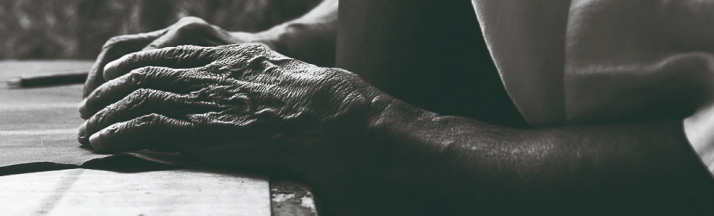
[(239, 105), (187, 31)]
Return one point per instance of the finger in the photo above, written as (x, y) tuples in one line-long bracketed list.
[(171, 40), (143, 102), (113, 49), (163, 41), (200, 34), (154, 132), (175, 57), (161, 78)]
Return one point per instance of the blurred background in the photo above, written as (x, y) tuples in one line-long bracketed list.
[(77, 29)]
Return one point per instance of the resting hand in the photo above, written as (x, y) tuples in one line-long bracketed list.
[(239, 104), (187, 31)]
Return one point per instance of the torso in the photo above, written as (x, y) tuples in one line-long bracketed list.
[(428, 53)]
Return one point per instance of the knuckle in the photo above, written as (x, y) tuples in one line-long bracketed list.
[(146, 99), (139, 96), (134, 103), (173, 52), (255, 46), (151, 118), (154, 120), (184, 52), (143, 123), (112, 129), (113, 41), (130, 58), (99, 118), (191, 19), (138, 76)]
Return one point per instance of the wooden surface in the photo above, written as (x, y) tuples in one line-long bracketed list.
[(45, 119), (35, 122), (165, 192)]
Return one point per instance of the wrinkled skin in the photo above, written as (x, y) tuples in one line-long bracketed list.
[(245, 106), (187, 31), (236, 105)]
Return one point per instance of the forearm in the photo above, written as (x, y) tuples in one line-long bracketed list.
[(472, 164), (309, 38)]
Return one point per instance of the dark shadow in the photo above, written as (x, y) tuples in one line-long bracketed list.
[(127, 164), (34, 167)]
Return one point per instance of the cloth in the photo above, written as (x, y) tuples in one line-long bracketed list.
[(589, 61)]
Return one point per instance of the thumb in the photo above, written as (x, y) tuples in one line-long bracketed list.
[(174, 57), (113, 49)]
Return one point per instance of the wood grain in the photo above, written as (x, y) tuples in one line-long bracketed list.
[(167, 192), (43, 121)]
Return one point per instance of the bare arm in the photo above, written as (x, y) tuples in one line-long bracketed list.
[(367, 153), (468, 166), (310, 38)]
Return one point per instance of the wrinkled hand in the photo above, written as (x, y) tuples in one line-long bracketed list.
[(235, 104), (187, 31)]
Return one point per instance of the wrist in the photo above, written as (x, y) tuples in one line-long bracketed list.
[(310, 43)]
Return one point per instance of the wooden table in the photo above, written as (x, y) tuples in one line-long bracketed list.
[(44, 121)]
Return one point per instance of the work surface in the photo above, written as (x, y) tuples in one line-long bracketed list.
[(43, 171)]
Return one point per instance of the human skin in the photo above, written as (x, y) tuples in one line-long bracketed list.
[(309, 38), (383, 157), (246, 106)]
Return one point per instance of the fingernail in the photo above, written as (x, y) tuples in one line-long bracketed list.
[(83, 109), (110, 69), (82, 135), (94, 140)]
